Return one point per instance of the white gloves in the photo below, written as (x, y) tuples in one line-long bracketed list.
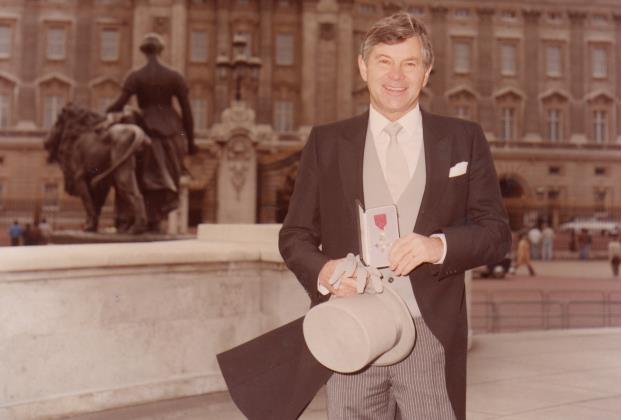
[(365, 275)]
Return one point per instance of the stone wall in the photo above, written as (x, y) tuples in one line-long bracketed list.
[(91, 327)]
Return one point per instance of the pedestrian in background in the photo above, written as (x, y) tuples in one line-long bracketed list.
[(535, 236), (15, 233), (523, 255), (548, 235), (614, 254), (585, 243)]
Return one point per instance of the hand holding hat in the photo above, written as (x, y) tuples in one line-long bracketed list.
[(365, 275), (374, 325)]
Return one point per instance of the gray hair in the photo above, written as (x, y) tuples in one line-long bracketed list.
[(395, 29)]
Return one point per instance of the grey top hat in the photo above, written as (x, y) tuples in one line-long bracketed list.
[(347, 334)]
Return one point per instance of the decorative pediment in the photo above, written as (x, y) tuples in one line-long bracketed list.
[(461, 92), (555, 95), (509, 93), (7, 79), (104, 82), (55, 79), (600, 96)]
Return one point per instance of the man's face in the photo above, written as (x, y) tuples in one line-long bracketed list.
[(395, 75)]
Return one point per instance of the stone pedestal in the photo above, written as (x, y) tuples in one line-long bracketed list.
[(238, 137)]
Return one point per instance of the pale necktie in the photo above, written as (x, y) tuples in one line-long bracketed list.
[(396, 171)]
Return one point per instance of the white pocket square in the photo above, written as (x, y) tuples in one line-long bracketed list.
[(458, 169)]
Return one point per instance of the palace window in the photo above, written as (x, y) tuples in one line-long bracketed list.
[(4, 110), (284, 49), (507, 124), (199, 113), (52, 105), (109, 44), (462, 57), (6, 40), (600, 121), (508, 59), (555, 170), (56, 40), (283, 116), (600, 171), (198, 46), (554, 60), (51, 194), (554, 125), (599, 62)]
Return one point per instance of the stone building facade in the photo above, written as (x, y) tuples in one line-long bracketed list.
[(541, 77)]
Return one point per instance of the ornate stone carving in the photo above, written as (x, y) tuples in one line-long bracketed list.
[(239, 152)]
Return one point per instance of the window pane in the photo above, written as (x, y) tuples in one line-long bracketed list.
[(553, 61), (599, 62), (109, 44), (50, 195), (56, 43), (4, 111), (554, 125), (283, 116), (285, 49), (52, 106), (198, 46), (6, 40), (508, 59), (462, 57), (199, 113), (600, 126), (507, 124)]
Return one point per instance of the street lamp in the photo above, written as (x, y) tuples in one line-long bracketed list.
[(241, 66)]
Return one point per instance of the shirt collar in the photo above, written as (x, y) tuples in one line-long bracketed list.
[(411, 122)]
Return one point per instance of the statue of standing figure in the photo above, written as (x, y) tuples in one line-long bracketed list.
[(160, 166)]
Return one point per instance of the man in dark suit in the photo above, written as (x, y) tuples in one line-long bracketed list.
[(155, 85), (439, 173)]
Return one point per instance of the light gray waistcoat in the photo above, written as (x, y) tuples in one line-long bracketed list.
[(376, 193)]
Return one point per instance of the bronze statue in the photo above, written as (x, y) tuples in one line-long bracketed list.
[(155, 85), (96, 153)]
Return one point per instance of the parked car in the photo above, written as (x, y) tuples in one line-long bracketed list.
[(594, 225)]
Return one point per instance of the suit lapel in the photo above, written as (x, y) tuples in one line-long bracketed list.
[(351, 150), (437, 162)]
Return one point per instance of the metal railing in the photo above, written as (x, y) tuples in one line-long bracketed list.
[(539, 310)]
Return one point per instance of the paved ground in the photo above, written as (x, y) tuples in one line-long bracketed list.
[(553, 375)]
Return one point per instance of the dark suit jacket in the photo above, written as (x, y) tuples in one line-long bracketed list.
[(468, 209)]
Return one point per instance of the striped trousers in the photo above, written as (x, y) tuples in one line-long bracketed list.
[(413, 389)]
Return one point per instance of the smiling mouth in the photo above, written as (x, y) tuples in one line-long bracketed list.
[(395, 90)]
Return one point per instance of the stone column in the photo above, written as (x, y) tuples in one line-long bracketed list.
[(485, 76), (438, 79), (532, 70), (577, 76), (179, 35), (140, 26), (29, 66), (264, 94), (616, 20), (221, 89), (345, 59), (83, 49), (309, 39)]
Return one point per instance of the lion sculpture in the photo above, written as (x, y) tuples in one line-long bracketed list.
[(96, 153)]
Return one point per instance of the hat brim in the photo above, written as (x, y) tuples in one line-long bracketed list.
[(407, 338)]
